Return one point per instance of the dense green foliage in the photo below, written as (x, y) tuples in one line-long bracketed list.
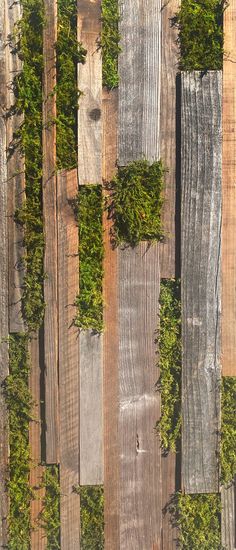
[(169, 383), (198, 518), (89, 210), (109, 43), (50, 515), (92, 518), (228, 429), (19, 403), (28, 100), (69, 53), (200, 24), (135, 202)]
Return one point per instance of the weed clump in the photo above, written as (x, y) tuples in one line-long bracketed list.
[(19, 402), (69, 53), (200, 24), (228, 429), (135, 203), (92, 518), (198, 519), (89, 209), (109, 43), (50, 515), (169, 383)]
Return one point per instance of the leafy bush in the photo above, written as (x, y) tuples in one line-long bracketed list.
[(135, 202), (89, 210), (109, 43), (50, 515), (27, 87), (200, 24), (198, 519), (228, 429), (69, 54), (169, 384), (19, 403), (92, 518)]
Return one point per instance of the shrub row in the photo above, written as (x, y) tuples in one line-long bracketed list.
[(92, 518), (169, 383)]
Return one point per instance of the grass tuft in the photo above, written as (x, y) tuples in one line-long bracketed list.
[(200, 24), (169, 383), (135, 203)]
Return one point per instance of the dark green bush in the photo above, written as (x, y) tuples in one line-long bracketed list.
[(92, 518), (169, 383), (109, 43), (198, 519), (28, 100), (69, 54), (135, 203), (19, 402), (50, 515), (228, 429), (89, 211), (200, 24)]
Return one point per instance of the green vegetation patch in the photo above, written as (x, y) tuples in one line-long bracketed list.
[(19, 403), (109, 43), (92, 518), (28, 100), (169, 383), (198, 519), (135, 203), (228, 429), (89, 210), (50, 515), (200, 24), (69, 53)]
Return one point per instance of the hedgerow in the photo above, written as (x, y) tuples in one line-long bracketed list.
[(27, 88), (26, 42), (89, 209), (198, 519), (91, 518), (169, 383), (200, 24), (19, 402), (135, 202), (109, 42), (50, 515), (69, 53), (228, 429)]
